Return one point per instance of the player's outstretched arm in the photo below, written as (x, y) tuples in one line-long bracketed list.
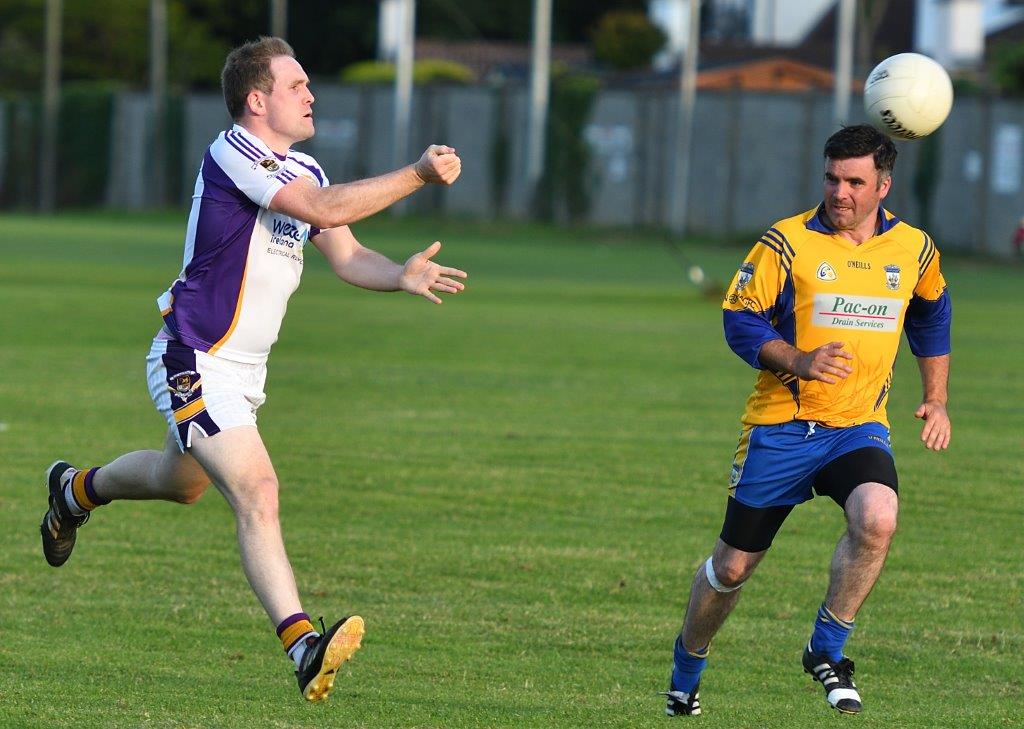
[(337, 205), (826, 363), (363, 267), (937, 429)]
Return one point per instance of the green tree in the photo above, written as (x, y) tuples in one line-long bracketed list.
[(627, 40), (105, 40)]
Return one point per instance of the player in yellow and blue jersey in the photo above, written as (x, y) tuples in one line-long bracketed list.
[(818, 307)]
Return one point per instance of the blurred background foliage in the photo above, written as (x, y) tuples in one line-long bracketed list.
[(109, 39)]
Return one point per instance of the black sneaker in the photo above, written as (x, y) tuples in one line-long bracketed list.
[(325, 653), (837, 679), (59, 525), (680, 703)]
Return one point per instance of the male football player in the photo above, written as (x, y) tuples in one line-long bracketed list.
[(817, 307), (256, 204)]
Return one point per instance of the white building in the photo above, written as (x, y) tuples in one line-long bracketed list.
[(953, 31)]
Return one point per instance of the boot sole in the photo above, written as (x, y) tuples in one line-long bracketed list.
[(343, 645)]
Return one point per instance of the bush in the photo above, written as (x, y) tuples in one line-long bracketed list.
[(626, 40), (1008, 68), (427, 71), (566, 182)]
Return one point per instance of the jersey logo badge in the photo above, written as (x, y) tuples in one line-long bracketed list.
[(745, 274), (892, 277), (184, 384), (826, 272), (270, 165)]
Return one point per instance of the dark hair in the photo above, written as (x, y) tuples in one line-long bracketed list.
[(861, 140), (247, 68)]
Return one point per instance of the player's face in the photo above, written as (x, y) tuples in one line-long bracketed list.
[(290, 104), (853, 191)]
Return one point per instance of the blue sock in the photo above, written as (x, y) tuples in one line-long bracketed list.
[(687, 666), (830, 634)]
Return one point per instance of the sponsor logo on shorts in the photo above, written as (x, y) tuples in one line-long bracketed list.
[(845, 311), (183, 385)]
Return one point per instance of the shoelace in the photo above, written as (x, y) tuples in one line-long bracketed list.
[(75, 521), (844, 669)]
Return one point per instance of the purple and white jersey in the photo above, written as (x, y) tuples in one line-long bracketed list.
[(242, 261)]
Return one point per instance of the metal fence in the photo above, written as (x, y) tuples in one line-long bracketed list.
[(755, 157)]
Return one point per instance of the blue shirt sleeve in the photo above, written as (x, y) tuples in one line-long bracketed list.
[(746, 332), (927, 325)]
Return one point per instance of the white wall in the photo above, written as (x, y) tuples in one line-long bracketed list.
[(773, 22), (786, 22), (953, 31)]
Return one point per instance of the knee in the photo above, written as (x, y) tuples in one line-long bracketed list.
[(732, 573), (189, 492), (727, 571), (875, 529), (189, 497), (258, 504)]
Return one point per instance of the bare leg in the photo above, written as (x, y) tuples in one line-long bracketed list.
[(708, 608), (169, 475), (870, 524), (240, 467)]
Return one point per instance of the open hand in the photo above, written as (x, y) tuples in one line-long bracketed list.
[(439, 165), (423, 277), (937, 429)]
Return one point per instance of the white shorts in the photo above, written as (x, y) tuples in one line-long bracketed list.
[(197, 392)]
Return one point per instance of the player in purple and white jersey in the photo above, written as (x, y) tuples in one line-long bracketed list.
[(255, 206)]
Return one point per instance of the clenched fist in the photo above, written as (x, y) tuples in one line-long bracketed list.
[(439, 165)]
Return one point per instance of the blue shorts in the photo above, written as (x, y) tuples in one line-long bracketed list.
[(775, 465)]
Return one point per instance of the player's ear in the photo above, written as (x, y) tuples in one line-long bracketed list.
[(254, 101), (883, 186)]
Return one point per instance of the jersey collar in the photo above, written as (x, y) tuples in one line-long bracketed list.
[(259, 142), (819, 222)]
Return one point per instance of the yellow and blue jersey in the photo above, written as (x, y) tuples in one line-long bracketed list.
[(806, 284)]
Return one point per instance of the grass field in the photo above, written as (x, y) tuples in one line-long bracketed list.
[(513, 489)]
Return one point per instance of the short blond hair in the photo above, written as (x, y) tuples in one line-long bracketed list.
[(247, 68)]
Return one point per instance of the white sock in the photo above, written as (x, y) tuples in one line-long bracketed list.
[(69, 494), (299, 649)]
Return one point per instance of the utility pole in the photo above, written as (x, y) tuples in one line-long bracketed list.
[(279, 18), (403, 82), (158, 100), (540, 83), (844, 61), (51, 107), (679, 212)]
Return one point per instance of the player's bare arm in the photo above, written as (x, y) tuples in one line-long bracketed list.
[(368, 269), (349, 202), (937, 429), (825, 364)]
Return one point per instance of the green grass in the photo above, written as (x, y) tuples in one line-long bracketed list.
[(513, 489)]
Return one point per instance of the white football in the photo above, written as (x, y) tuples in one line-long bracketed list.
[(908, 96)]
